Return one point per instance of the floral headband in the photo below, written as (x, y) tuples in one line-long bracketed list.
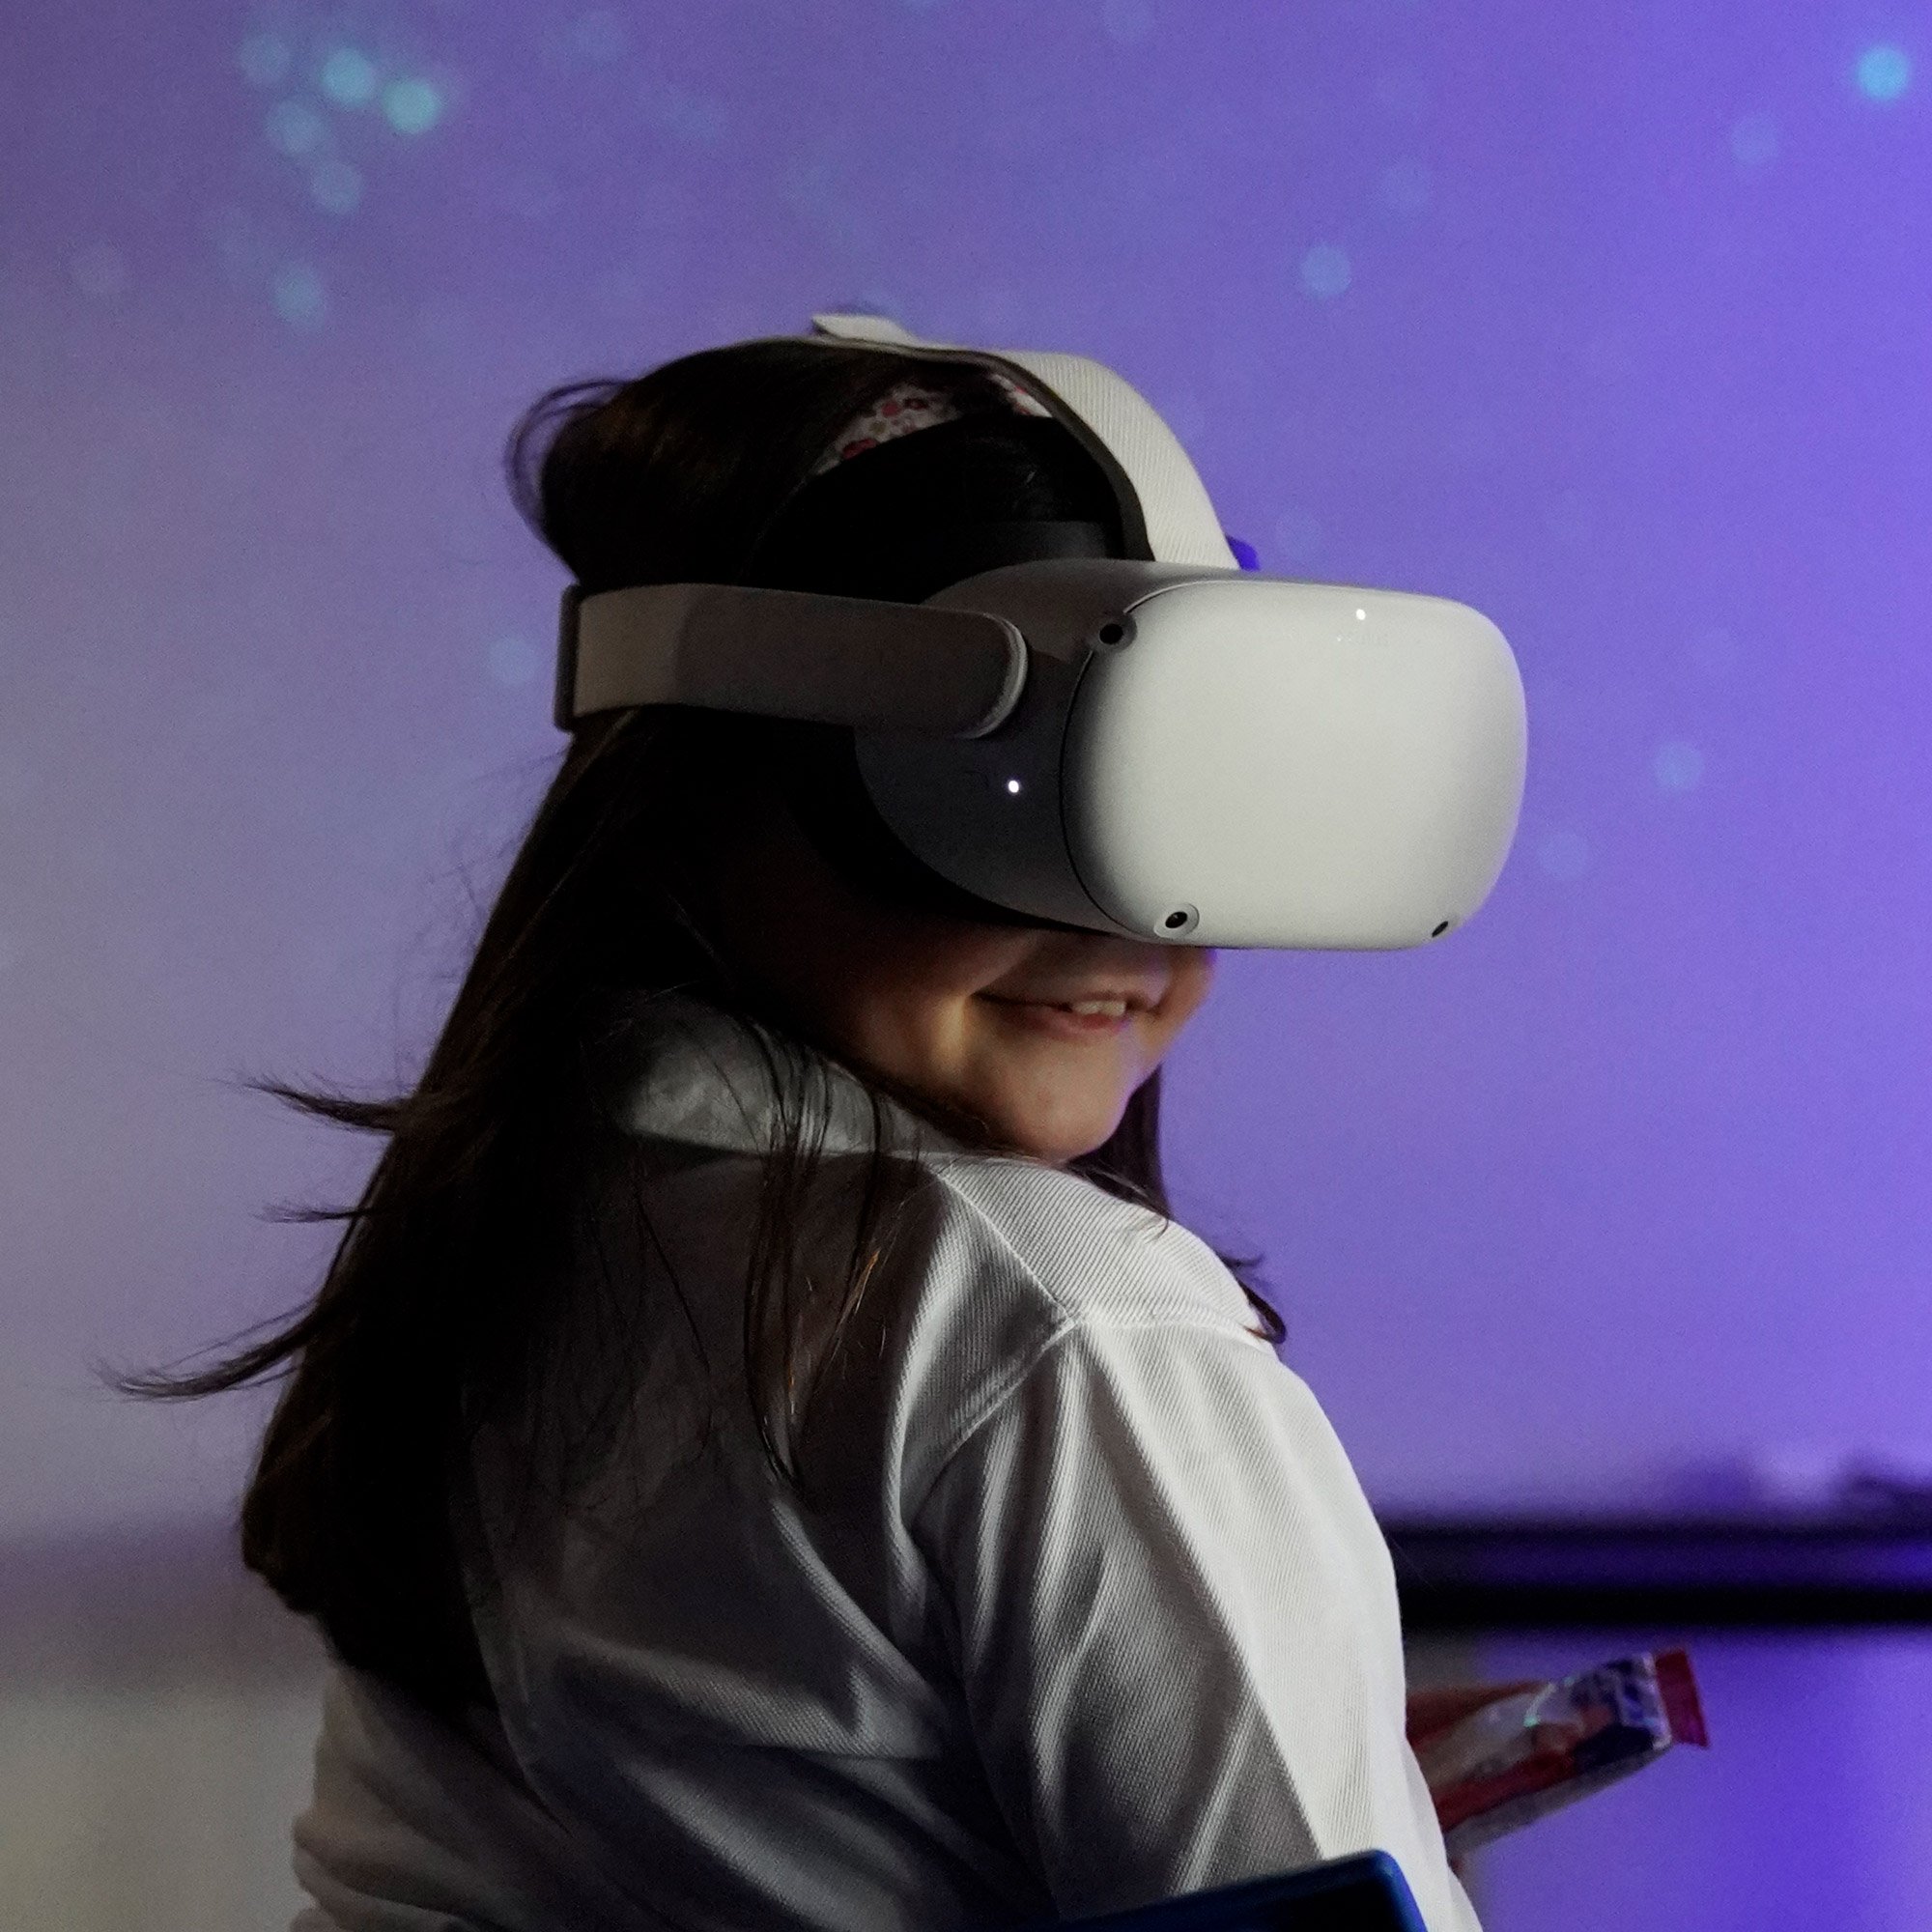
[(907, 406)]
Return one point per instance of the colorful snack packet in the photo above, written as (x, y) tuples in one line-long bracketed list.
[(1530, 1752)]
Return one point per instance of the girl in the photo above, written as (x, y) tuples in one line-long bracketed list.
[(762, 1457)]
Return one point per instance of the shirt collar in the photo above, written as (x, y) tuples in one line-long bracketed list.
[(689, 1072)]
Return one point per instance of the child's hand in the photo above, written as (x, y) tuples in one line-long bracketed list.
[(1430, 1713)]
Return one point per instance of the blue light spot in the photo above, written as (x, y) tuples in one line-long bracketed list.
[(1402, 91), (1715, 652), (298, 296), (1297, 538), (1884, 72), (1186, 417), (601, 38), (337, 185), (1569, 517), (687, 117), (1754, 141), (1677, 767), (295, 128), (349, 77), (1563, 855), (1128, 21), (238, 246), (412, 106), (513, 660), (532, 195), (1325, 273), (265, 59), (99, 271), (1406, 188)]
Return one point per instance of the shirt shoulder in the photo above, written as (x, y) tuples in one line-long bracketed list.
[(1088, 1258), (1003, 1261)]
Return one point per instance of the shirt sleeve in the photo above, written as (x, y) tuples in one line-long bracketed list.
[(1177, 1625)]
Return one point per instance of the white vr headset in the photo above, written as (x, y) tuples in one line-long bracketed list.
[(1162, 745)]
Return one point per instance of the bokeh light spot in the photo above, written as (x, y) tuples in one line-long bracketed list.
[(1607, 356), (295, 128), (1297, 538), (100, 272), (1402, 91), (447, 328), (1754, 141), (1569, 517), (337, 185), (1715, 652), (1564, 855), (687, 117), (1405, 188), (600, 37), (265, 59), (1325, 271), (531, 194), (1884, 72), (412, 106), (1128, 21), (349, 77), (1185, 414), (238, 246), (299, 298), (18, 780), (1677, 767), (513, 660)]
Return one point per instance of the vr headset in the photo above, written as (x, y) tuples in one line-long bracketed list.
[(1161, 745)]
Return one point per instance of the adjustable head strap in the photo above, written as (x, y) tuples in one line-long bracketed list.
[(1166, 516), (788, 654), (878, 666)]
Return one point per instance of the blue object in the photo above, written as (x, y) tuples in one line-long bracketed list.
[(1244, 553), (1366, 1894)]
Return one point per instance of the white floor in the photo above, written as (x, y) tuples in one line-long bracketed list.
[(158, 1712), (151, 1810)]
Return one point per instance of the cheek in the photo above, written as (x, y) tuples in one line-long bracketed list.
[(1193, 975), (902, 989), (887, 986)]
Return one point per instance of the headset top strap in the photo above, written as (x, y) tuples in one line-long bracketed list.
[(1166, 515)]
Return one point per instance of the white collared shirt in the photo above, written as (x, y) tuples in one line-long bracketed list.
[(1089, 1612)]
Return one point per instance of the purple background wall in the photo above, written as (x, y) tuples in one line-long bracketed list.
[(1612, 320)]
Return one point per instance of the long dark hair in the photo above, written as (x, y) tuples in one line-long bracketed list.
[(491, 1182)]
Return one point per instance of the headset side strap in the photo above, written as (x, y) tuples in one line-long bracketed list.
[(854, 660), (564, 701)]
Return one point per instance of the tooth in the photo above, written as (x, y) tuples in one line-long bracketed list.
[(1113, 1009)]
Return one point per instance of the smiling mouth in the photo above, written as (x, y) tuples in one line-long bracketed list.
[(1091, 1013), (1112, 1005)]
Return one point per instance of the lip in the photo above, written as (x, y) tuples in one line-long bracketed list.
[(1054, 1018)]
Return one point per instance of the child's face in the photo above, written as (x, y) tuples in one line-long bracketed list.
[(975, 1018)]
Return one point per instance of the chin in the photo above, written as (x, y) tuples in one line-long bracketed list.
[(1058, 1136)]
